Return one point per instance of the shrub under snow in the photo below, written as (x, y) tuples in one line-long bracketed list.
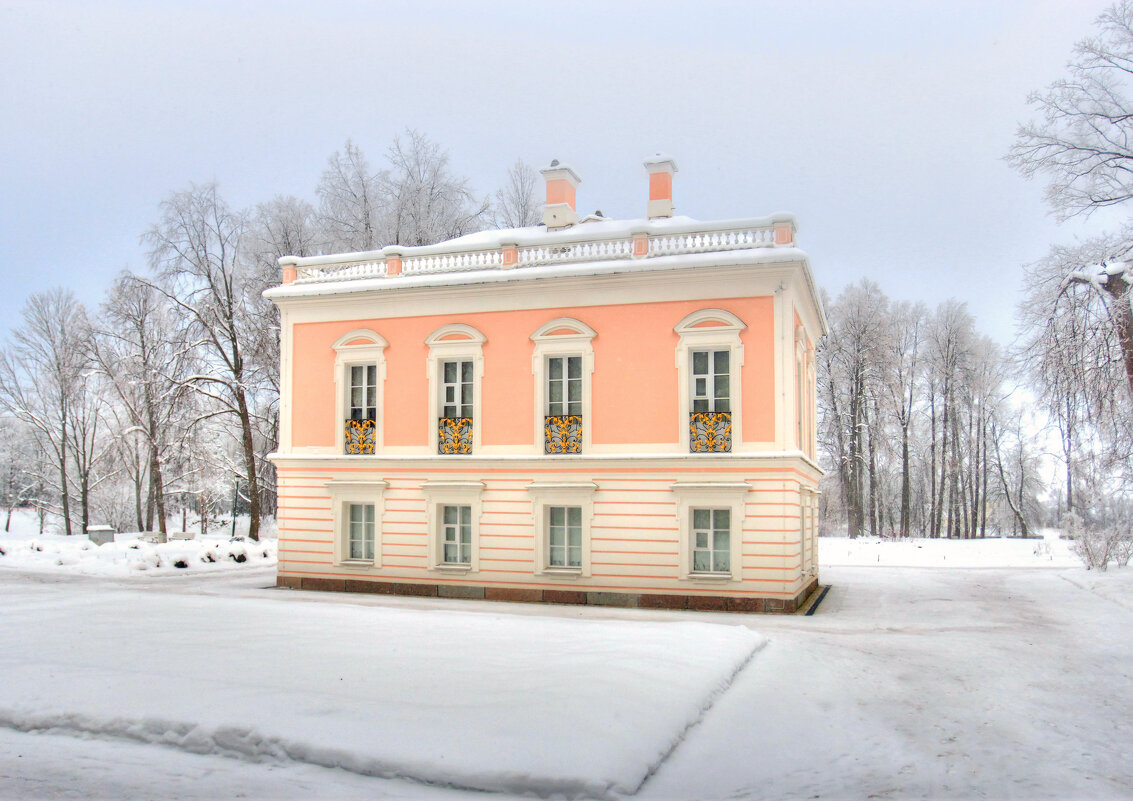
[(130, 554)]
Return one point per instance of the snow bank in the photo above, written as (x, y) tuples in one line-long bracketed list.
[(129, 554), (476, 700), (991, 552)]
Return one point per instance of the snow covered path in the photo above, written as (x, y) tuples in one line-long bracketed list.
[(929, 683), (909, 683)]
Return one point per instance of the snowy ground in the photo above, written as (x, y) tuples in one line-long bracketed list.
[(910, 682)]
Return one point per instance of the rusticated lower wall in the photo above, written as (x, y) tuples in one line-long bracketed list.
[(634, 555), (703, 603)]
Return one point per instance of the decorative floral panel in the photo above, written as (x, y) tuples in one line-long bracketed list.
[(454, 435), (710, 432), (562, 433), (360, 436)]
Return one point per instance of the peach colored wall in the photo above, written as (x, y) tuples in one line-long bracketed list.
[(634, 391)]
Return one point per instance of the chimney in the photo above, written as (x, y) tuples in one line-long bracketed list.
[(661, 169), (560, 211)]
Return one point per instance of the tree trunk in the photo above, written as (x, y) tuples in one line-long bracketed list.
[(64, 484), (250, 467), (158, 489), (138, 503), (1120, 289), (905, 489)]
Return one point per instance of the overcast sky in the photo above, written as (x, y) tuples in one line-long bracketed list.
[(881, 125)]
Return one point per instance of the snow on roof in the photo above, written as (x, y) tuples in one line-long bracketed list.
[(490, 276), (589, 229)]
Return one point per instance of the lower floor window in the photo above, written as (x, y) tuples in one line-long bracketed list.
[(564, 536), (457, 532), (361, 531), (711, 535)]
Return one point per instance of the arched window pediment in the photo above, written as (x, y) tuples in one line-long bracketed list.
[(712, 320), (455, 333), (360, 338), (563, 328)]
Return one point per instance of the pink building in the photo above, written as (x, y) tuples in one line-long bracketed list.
[(585, 411)]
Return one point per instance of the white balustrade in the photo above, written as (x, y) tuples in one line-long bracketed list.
[(575, 251), (340, 272), (452, 262), (660, 244), (703, 242)]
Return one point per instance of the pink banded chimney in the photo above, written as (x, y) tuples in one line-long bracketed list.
[(561, 210), (661, 169)]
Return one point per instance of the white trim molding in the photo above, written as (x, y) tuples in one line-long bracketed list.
[(455, 342), (348, 352), (729, 495), (439, 494), (576, 340), (709, 329), (344, 493), (545, 494)]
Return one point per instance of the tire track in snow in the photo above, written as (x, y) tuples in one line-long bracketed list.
[(709, 702), (245, 743)]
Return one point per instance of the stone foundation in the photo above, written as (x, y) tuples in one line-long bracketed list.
[(704, 603)]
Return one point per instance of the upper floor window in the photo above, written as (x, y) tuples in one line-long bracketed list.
[(363, 392), (564, 385), (709, 358), (359, 376), (562, 364), (456, 386), (455, 368)]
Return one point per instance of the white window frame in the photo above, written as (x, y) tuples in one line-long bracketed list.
[(808, 518), (458, 541), (710, 548), (802, 426), (457, 342), (439, 494), (372, 352), (711, 495), (544, 495), (342, 495), (576, 341), (710, 329)]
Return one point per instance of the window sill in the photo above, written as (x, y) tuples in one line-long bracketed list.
[(453, 568), (562, 572), (710, 577), (356, 563)]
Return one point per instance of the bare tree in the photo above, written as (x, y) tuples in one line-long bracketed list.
[(197, 252), (517, 201), (903, 348), (18, 483), (423, 201), (1082, 143), (137, 348), (349, 203), (42, 381)]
